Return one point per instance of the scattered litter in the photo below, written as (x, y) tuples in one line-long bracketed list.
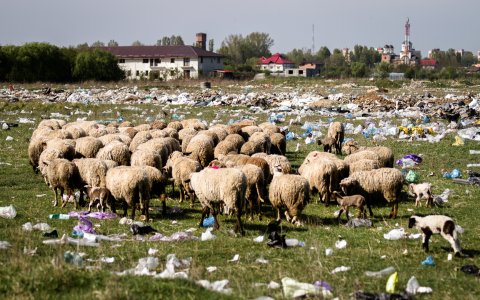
[(235, 258), (107, 260), (383, 272), (449, 256), (414, 236), (341, 244), (294, 243), (392, 282), (84, 225), (454, 174), (95, 215), (41, 195), (4, 245), (395, 234), (295, 289), (357, 222), (474, 151), (177, 236), (73, 258), (65, 239), (152, 251), (9, 138), (261, 260), (412, 177), (328, 252), (30, 252), (208, 222), (412, 286), (272, 285), (207, 235), (172, 263), (442, 198), (259, 239), (211, 269), (428, 261), (59, 216), (361, 295), (340, 269), (217, 286), (51, 234), (8, 212)]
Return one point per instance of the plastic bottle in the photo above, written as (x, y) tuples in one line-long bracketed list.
[(412, 285), (380, 273), (59, 216), (291, 242)]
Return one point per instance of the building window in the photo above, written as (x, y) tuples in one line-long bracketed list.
[(172, 60), (218, 59), (157, 61), (201, 59), (121, 61), (186, 61), (300, 72), (145, 60), (129, 73), (137, 73), (290, 72), (146, 73)]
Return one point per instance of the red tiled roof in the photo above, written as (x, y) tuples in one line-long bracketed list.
[(275, 59), (159, 51), (428, 62)]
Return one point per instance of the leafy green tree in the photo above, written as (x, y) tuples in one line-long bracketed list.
[(97, 44), (238, 49), (176, 40), (322, 54), (300, 55), (383, 69), (97, 65), (137, 43), (358, 69), (112, 43)]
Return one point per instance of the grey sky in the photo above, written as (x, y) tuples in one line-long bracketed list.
[(338, 24)]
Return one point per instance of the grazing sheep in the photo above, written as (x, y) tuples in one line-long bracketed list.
[(247, 131), (224, 148), (130, 131), (219, 131), (421, 190), (345, 202), (262, 139), (116, 151), (255, 192), (97, 132), (220, 186), (274, 159), (177, 125), (321, 175), (146, 157), (432, 224), (51, 123), (385, 155), (87, 147), (108, 138), (92, 173), (75, 130), (129, 185), (235, 139), (363, 165), (233, 129), (269, 128), (159, 145), (157, 182), (194, 124), (47, 155), (140, 138), (384, 182), (143, 127), (233, 160), (329, 144), (337, 132), (251, 147), (279, 144), (186, 132), (362, 154), (110, 163), (350, 147), (62, 174), (65, 146), (99, 195), (35, 149), (200, 149), (290, 191), (180, 168), (158, 124)]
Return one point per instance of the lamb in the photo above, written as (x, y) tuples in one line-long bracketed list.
[(345, 202), (217, 186), (116, 151), (129, 185), (337, 132), (62, 174), (291, 191), (87, 147), (421, 190), (441, 224), (99, 195), (384, 182)]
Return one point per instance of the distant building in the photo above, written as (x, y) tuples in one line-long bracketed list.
[(478, 55), (429, 64), (275, 63), (311, 68), (167, 62), (460, 52), (431, 53), (407, 56), (346, 54)]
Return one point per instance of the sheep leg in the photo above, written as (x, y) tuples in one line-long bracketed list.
[(427, 233), (216, 225), (55, 202), (164, 204), (340, 214), (346, 212), (239, 226), (192, 199), (134, 206), (64, 202), (278, 214), (417, 201), (393, 213)]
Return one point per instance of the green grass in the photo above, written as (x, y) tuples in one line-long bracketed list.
[(46, 276)]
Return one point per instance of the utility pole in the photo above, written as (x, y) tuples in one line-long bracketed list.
[(313, 39)]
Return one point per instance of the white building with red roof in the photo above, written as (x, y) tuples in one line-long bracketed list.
[(276, 63)]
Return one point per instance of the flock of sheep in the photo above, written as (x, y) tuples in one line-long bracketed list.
[(227, 167)]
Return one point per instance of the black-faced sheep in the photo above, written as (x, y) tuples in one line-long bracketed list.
[(215, 187), (384, 182), (129, 185), (443, 225), (421, 190), (61, 174), (290, 191), (345, 202)]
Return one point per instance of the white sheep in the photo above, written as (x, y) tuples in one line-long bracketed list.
[(433, 224), (336, 132), (421, 190), (63, 175), (180, 168), (290, 191), (215, 187)]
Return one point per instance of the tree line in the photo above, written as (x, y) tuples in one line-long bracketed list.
[(33, 62)]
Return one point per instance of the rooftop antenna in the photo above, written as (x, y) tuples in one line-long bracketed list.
[(313, 39)]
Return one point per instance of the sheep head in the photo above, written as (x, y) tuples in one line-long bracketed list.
[(412, 221), (348, 184)]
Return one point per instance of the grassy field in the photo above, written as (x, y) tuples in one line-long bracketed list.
[(45, 275)]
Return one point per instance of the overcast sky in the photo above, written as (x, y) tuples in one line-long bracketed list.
[(338, 24)]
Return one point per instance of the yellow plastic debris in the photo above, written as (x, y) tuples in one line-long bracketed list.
[(392, 283), (458, 141)]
